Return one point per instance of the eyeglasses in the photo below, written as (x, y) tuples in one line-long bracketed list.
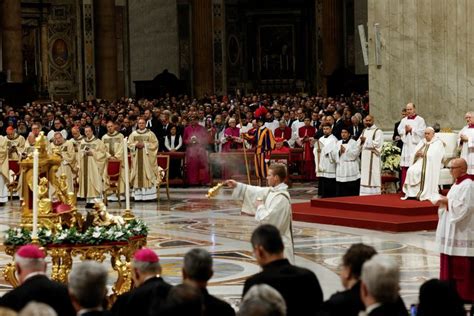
[(453, 167)]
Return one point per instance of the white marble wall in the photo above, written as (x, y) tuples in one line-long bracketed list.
[(153, 27), (427, 58)]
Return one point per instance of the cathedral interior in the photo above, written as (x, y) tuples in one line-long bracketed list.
[(81, 49)]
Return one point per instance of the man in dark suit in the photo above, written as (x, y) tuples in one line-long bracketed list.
[(35, 285), (396, 137), (87, 288), (150, 289), (299, 287), (197, 271), (152, 123), (338, 124), (379, 287), (98, 129)]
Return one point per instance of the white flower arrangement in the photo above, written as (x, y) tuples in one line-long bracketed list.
[(92, 236), (390, 156)]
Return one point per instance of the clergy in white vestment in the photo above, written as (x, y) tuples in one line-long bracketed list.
[(65, 149), (4, 170), (325, 165), (91, 163), (143, 145), (422, 177), (466, 142), (16, 144), (346, 154), (455, 232), (411, 131), (269, 205), (370, 143), (113, 142)]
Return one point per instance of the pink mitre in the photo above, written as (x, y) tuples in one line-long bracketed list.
[(146, 255), (30, 252)]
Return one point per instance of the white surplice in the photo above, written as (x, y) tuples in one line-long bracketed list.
[(455, 232), (423, 176), (467, 148), (411, 139), (324, 163), (370, 177), (347, 163), (275, 210)]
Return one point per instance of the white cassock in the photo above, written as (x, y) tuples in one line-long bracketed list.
[(324, 162), (370, 175), (273, 125), (467, 148), (275, 210), (455, 232), (412, 139), (4, 170), (348, 163), (294, 132), (423, 176)]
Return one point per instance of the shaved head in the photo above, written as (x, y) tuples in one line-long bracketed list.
[(459, 163)]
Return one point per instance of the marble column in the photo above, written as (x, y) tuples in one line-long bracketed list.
[(12, 54), (202, 47), (44, 56), (105, 49)]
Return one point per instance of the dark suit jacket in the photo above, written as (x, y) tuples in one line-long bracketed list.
[(155, 127), (216, 307), (349, 303), (299, 286), (396, 309), (98, 134), (356, 135), (41, 289), (336, 131), (143, 299), (395, 134)]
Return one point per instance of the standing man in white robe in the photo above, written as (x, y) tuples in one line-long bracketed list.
[(324, 162), (113, 142), (346, 155), (270, 205), (422, 177), (370, 143), (411, 131), (4, 171), (455, 232), (466, 142)]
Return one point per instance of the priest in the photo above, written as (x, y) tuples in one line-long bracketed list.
[(143, 145), (16, 144), (324, 162), (466, 142), (197, 162), (346, 155), (370, 144), (4, 171), (422, 177), (113, 142), (269, 205), (65, 149), (91, 161), (411, 131), (455, 232)]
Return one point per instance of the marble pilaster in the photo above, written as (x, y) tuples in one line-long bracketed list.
[(12, 55), (106, 49), (202, 47)]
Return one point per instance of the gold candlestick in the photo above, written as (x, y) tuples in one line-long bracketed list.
[(214, 190)]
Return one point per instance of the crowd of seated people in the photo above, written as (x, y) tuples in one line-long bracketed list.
[(223, 119), (371, 282)]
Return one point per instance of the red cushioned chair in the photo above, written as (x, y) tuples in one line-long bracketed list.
[(113, 176), (14, 166), (164, 162)]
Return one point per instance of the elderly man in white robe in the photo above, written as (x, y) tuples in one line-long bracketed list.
[(455, 232), (325, 165), (422, 178), (466, 142), (113, 142), (4, 171), (346, 154), (370, 143), (65, 149), (411, 131), (269, 205)]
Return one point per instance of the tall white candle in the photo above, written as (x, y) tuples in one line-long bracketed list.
[(35, 193), (127, 184)]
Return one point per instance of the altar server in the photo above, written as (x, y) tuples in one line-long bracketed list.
[(324, 162), (346, 156)]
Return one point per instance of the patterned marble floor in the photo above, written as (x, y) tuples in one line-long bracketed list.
[(190, 220)]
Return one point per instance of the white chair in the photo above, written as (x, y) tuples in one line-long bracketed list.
[(450, 140)]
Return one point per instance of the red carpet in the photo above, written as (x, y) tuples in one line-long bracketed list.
[(379, 212)]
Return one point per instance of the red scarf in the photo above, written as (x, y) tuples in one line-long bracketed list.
[(411, 117), (471, 125), (464, 177)]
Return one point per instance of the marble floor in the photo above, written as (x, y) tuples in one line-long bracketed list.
[(191, 220)]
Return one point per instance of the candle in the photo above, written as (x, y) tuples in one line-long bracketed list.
[(127, 184), (34, 234)]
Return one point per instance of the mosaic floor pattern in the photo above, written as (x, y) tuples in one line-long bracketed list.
[(190, 220)]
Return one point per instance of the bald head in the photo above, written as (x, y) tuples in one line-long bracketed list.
[(411, 109), (459, 163), (369, 121)]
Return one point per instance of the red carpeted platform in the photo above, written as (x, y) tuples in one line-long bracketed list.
[(379, 212)]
